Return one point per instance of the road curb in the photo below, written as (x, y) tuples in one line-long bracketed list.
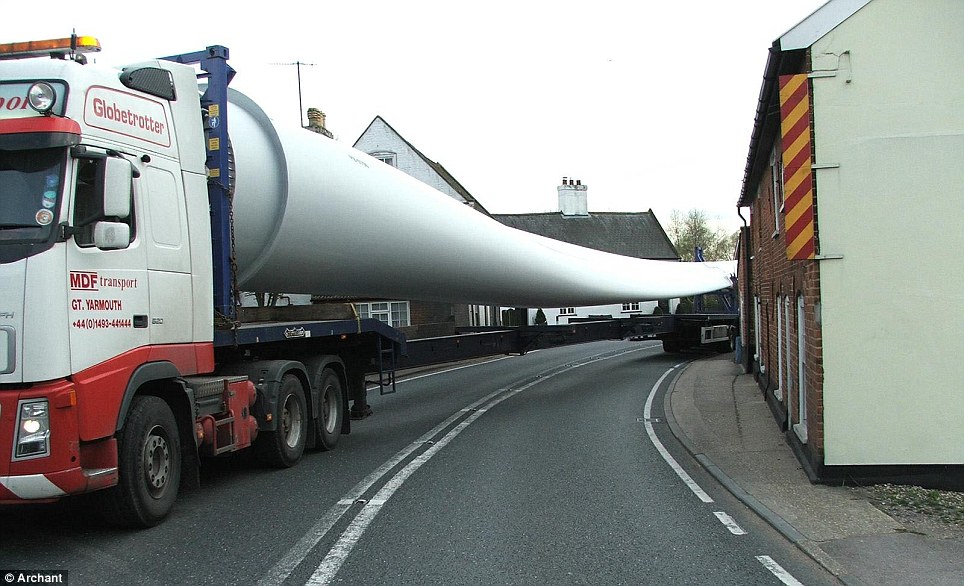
[(782, 526)]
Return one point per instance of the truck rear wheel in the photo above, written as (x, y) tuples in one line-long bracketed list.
[(283, 447), (149, 466), (331, 411)]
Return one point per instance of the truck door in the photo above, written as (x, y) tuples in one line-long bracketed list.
[(165, 236), (108, 288)]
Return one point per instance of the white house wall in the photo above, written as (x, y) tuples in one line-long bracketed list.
[(555, 316), (380, 138), (892, 308)]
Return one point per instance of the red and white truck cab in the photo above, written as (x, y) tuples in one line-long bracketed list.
[(89, 291)]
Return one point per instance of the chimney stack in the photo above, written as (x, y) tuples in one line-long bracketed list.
[(316, 122), (572, 198)]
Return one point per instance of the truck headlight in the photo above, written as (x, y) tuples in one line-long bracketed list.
[(33, 429), (42, 97)]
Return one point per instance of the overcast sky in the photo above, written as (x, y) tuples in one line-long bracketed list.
[(650, 104)]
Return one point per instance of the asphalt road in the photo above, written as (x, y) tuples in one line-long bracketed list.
[(552, 468)]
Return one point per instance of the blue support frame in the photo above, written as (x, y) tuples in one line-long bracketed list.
[(213, 63)]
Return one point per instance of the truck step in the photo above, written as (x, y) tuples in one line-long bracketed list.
[(210, 386)]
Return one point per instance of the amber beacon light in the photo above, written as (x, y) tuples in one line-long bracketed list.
[(54, 47)]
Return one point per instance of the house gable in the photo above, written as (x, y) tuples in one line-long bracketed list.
[(383, 142)]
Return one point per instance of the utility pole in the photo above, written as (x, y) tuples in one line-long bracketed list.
[(301, 109)]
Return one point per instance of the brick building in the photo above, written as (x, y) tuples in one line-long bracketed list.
[(850, 273)]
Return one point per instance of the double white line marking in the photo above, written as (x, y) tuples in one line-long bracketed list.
[(329, 566), (325, 573)]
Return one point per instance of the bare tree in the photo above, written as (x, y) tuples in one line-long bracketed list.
[(693, 229)]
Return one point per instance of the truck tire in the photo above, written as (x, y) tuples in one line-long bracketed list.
[(331, 410), (672, 347), (149, 466), (283, 447)]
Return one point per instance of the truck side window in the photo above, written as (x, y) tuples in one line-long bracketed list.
[(88, 206)]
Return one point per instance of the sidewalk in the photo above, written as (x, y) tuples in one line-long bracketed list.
[(720, 415)]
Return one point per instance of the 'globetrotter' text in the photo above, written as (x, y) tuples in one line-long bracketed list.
[(126, 116)]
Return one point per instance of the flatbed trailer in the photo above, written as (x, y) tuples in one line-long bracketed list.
[(679, 332)]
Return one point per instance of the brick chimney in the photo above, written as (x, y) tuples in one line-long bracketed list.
[(316, 122), (572, 198)]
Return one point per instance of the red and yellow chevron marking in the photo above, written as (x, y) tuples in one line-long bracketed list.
[(797, 172)]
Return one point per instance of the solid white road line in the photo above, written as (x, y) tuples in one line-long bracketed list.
[(687, 480)]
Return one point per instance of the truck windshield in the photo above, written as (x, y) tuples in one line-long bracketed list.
[(31, 183)]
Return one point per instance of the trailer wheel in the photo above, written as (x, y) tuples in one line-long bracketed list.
[(331, 411), (149, 466), (283, 447), (672, 346)]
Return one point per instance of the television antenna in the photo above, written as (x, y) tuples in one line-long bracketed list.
[(298, 65)]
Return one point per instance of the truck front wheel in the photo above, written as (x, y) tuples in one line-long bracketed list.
[(149, 466), (283, 447)]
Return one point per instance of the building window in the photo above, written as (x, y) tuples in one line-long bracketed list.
[(777, 392), (801, 427), (567, 311), (386, 157), (394, 313), (631, 306), (757, 326), (776, 169), (787, 383), (480, 315)]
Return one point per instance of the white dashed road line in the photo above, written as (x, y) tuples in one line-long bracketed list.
[(729, 523), (778, 571)]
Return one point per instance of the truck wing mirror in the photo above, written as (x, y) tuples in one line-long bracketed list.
[(112, 235), (118, 174)]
